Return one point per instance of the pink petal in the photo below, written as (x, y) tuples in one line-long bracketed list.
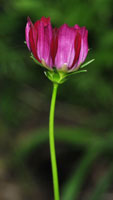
[(45, 20), (27, 30), (44, 41), (77, 26), (84, 45), (77, 46), (54, 44), (33, 37), (65, 52)]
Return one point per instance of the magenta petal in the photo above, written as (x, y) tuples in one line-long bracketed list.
[(77, 46), (45, 20), (65, 50), (33, 37), (33, 42), (84, 45), (77, 26), (27, 30), (54, 44), (44, 42)]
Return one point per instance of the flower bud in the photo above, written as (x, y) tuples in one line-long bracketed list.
[(62, 49)]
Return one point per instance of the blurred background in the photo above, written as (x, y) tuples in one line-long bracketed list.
[(84, 109)]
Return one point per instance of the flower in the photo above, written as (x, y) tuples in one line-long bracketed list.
[(63, 48)]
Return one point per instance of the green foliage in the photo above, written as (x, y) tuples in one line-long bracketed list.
[(94, 145), (103, 185)]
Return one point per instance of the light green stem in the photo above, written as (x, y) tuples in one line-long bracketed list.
[(52, 144)]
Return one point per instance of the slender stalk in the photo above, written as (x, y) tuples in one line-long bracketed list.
[(52, 144)]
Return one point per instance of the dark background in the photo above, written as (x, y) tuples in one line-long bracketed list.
[(84, 109)]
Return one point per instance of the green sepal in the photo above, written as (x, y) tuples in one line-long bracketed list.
[(35, 60), (61, 76), (76, 72), (80, 71), (56, 76), (87, 63)]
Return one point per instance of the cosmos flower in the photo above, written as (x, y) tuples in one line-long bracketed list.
[(63, 48)]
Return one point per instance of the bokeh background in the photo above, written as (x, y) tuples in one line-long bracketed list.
[(84, 109)]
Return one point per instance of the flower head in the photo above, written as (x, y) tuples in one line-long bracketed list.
[(63, 49)]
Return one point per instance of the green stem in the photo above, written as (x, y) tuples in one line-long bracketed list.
[(52, 144)]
